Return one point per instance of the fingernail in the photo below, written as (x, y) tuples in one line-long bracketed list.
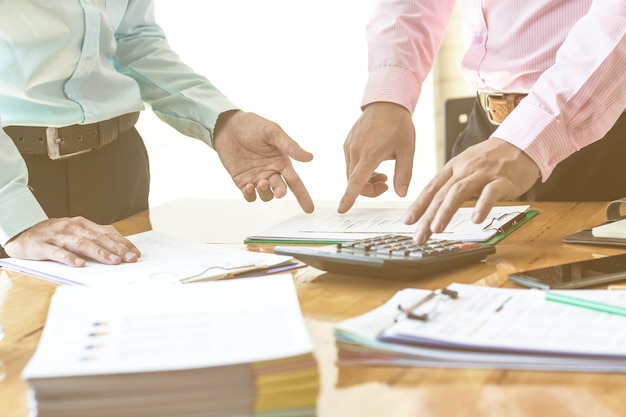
[(130, 257), (408, 218), (114, 258), (419, 237), (436, 227), (402, 190)]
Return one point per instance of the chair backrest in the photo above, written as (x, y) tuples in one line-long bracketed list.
[(456, 113)]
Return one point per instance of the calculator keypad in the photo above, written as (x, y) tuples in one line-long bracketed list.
[(395, 257), (404, 246)]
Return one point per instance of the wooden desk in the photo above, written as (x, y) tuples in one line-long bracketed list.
[(326, 298)]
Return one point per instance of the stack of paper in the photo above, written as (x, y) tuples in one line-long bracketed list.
[(228, 348), (489, 328)]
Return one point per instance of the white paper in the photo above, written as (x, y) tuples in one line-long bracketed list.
[(325, 224), (616, 229), (164, 260), (516, 320), (155, 328), (446, 345)]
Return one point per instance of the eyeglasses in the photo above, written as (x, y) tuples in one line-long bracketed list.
[(435, 298)]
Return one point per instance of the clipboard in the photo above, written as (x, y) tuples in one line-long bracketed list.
[(330, 228), (497, 238), (432, 336)]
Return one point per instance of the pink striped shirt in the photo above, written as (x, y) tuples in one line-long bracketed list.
[(568, 55)]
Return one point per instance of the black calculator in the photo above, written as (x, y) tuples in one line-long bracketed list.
[(395, 257)]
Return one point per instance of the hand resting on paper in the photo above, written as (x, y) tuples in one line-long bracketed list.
[(71, 241)]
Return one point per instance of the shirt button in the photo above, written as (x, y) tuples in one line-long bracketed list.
[(478, 39), (87, 63)]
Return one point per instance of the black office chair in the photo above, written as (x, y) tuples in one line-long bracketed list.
[(456, 113)]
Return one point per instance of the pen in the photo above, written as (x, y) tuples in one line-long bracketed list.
[(579, 302)]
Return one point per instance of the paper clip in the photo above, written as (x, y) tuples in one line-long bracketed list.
[(437, 295)]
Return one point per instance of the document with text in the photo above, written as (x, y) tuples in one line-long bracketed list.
[(488, 327), (164, 259), (325, 225), (212, 349)]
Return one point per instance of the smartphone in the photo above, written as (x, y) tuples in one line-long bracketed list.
[(575, 274)]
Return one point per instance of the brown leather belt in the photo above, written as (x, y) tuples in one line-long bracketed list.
[(498, 106), (63, 142)]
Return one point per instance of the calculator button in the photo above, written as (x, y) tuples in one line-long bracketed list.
[(391, 256), (397, 247), (468, 245)]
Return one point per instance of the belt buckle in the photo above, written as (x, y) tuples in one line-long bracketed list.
[(54, 141), (485, 103)]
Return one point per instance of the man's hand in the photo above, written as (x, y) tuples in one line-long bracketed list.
[(256, 153), (72, 241), (494, 170), (383, 132)]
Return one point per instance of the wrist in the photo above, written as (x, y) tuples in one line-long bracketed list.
[(222, 121)]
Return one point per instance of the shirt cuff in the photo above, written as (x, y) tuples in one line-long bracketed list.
[(19, 210), (392, 84), (539, 134)]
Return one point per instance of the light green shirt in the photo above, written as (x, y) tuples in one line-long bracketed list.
[(81, 61)]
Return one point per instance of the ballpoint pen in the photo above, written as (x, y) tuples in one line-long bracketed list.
[(579, 302)]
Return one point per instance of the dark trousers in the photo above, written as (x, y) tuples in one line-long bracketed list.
[(595, 173), (103, 185)]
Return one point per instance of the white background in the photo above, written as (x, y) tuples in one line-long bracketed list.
[(300, 64)]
